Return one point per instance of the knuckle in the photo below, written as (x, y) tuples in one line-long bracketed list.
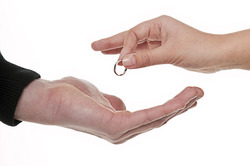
[(162, 16), (132, 33)]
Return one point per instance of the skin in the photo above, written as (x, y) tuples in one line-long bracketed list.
[(79, 105), (165, 40)]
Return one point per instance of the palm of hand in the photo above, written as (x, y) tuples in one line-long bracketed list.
[(79, 105), (80, 102)]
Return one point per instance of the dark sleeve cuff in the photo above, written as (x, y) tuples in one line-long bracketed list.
[(13, 79)]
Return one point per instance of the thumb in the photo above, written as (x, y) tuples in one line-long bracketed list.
[(144, 59)]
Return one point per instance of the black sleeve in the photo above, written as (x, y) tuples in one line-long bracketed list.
[(13, 79)]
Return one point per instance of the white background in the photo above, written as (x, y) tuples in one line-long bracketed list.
[(53, 37)]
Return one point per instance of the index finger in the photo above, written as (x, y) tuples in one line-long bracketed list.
[(134, 36), (109, 43)]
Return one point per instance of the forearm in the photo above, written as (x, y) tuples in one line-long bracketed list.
[(237, 50)]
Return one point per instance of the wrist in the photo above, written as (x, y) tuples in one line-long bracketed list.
[(30, 105)]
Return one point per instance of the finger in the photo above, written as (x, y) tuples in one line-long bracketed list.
[(134, 132), (180, 112), (135, 35), (147, 116), (147, 46), (153, 44), (146, 31), (190, 105), (130, 122), (116, 102), (112, 42), (144, 58), (193, 102), (145, 128), (199, 91), (114, 51), (140, 47)]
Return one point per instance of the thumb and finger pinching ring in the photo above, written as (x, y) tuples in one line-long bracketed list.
[(116, 71)]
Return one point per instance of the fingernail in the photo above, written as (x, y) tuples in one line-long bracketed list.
[(129, 61)]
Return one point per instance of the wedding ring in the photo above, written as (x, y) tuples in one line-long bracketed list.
[(115, 69)]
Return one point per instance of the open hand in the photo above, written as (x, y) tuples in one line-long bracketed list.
[(79, 105)]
